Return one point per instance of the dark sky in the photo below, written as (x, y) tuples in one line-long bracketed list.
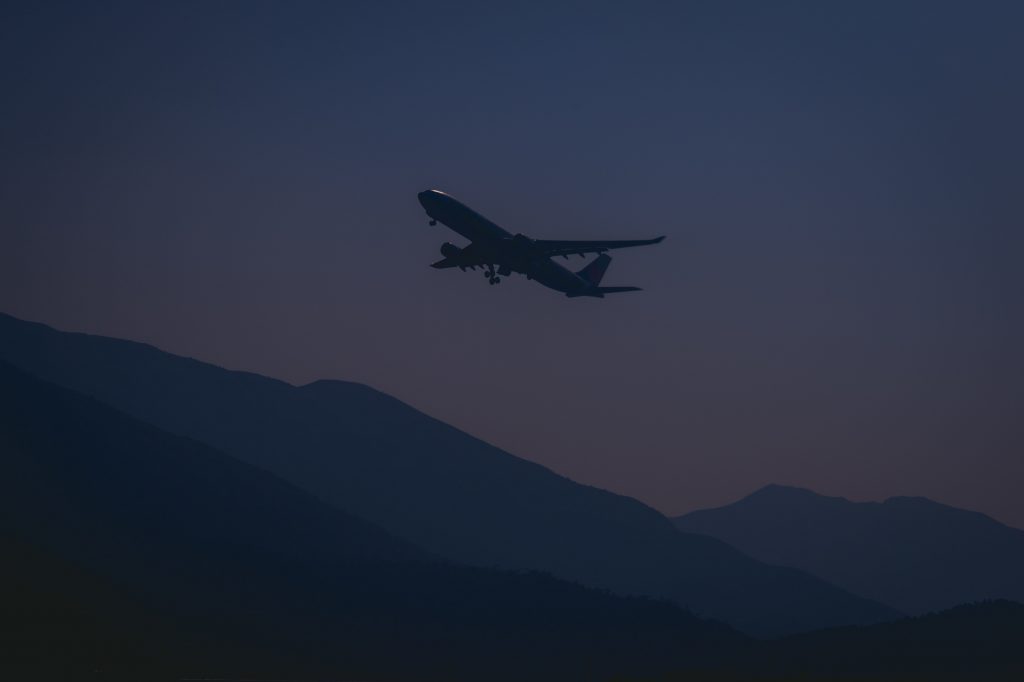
[(836, 306)]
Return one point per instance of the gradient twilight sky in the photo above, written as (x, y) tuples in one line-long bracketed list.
[(837, 305)]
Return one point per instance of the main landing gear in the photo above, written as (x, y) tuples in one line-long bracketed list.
[(492, 278), (432, 222)]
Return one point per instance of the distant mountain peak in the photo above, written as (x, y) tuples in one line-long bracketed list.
[(774, 492), (912, 553), (779, 492), (339, 387), (915, 500), (778, 489)]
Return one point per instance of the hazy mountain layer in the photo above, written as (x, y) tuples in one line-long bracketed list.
[(909, 552)]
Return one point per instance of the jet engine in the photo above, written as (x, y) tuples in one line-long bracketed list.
[(450, 250)]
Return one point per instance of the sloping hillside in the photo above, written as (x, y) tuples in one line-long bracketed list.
[(429, 483)]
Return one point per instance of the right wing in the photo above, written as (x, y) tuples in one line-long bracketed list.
[(555, 247)]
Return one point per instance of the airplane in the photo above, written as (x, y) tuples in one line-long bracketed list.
[(501, 253)]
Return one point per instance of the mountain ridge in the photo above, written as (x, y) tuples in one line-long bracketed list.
[(777, 488), (425, 481)]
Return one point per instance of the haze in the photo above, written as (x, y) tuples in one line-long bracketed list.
[(836, 305)]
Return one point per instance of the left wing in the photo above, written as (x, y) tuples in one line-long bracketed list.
[(553, 247), (454, 257)]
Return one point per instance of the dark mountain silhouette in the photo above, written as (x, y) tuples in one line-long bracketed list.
[(980, 641), (59, 621), (909, 552), (433, 485), (137, 550)]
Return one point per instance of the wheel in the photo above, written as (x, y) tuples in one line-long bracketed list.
[(433, 222), (496, 280), (491, 281)]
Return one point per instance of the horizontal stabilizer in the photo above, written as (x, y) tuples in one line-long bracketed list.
[(616, 290)]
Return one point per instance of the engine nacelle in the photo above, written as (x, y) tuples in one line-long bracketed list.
[(450, 250)]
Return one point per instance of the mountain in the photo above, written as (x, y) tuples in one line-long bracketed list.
[(130, 548), (82, 476), (909, 552), (426, 482), (979, 641)]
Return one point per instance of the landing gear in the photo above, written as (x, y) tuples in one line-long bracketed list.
[(494, 280), (432, 223)]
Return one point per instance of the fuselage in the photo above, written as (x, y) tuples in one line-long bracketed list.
[(498, 247), (454, 214)]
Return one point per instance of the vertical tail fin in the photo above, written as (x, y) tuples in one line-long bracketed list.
[(595, 270)]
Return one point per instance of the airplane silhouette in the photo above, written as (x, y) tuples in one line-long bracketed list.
[(501, 253)]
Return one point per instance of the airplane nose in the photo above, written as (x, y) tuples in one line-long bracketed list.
[(424, 197), (431, 194)]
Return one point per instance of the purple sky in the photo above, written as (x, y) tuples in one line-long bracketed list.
[(837, 304)]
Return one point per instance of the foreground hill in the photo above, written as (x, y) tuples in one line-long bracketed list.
[(424, 481), (128, 548), (909, 552), (982, 641)]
